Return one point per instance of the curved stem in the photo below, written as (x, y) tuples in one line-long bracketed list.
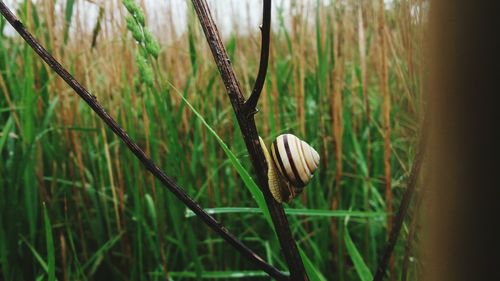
[(248, 129), (251, 103), (91, 100)]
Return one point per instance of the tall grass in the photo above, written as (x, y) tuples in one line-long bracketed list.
[(106, 217)]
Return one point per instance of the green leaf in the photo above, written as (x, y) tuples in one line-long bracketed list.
[(150, 205), (292, 212), (98, 256), (192, 50), (68, 15), (245, 176), (49, 113), (240, 275), (312, 271), (37, 256), (6, 131), (50, 245), (363, 271)]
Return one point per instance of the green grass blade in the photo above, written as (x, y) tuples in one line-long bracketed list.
[(49, 113), (213, 275), (292, 212), (67, 17), (245, 176), (37, 256), (97, 257), (50, 246), (5, 132), (312, 271), (150, 205), (363, 271)]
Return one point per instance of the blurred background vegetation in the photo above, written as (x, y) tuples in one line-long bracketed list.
[(346, 76)]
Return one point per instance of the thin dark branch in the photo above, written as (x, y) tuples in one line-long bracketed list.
[(403, 207), (411, 235), (132, 146), (251, 138), (408, 250), (251, 103)]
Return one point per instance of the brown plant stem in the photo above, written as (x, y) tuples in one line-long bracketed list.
[(246, 121), (251, 103), (386, 113), (91, 100)]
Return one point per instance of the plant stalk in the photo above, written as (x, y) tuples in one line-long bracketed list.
[(91, 100), (248, 129)]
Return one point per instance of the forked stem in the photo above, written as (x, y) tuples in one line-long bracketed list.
[(136, 150), (248, 129), (251, 103)]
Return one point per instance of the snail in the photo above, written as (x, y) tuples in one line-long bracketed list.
[(291, 165)]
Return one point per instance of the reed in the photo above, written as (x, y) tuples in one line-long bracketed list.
[(330, 81)]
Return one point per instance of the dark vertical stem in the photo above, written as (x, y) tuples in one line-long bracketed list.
[(403, 207), (411, 236), (91, 100), (251, 103), (386, 116), (249, 131)]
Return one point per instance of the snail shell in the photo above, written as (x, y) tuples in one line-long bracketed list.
[(291, 166)]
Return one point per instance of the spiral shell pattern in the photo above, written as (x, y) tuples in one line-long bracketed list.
[(291, 166), (295, 159)]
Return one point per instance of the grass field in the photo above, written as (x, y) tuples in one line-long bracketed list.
[(76, 205)]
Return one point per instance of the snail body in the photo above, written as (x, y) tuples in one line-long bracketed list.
[(291, 165)]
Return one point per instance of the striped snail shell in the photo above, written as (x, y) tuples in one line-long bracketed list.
[(291, 165)]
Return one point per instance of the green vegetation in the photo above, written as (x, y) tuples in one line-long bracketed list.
[(76, 205)]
